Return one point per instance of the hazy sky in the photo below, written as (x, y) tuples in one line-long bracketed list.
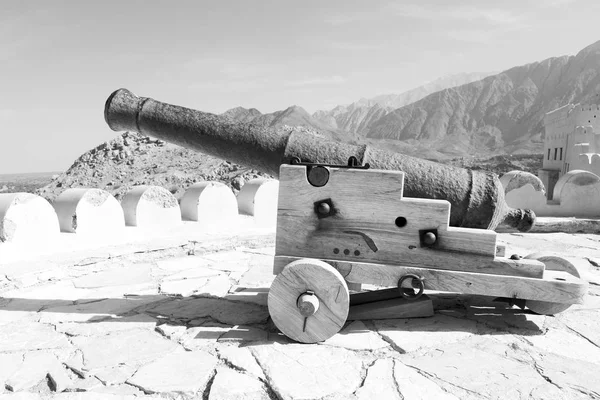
[(60, 60)]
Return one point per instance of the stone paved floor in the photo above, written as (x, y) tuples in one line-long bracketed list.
[(187, 320)]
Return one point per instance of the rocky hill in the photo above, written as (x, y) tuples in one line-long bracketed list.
[(131, 159), (502, 113)]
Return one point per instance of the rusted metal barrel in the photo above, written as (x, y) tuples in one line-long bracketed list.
[(477, 197)]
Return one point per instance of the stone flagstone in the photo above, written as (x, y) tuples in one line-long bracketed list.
[(133, 274), (33, 369), (299, 371), (379, 383), (414, 386), (133, 347), (30, 336), (114, 375), (188, 373), (478, 368), (200, 337), (244, 334), (94, 310), (227, 312), (415, 333), (579, 376), (9, 364), (357, 336), (110, 325), (241, 358), (229, 384)]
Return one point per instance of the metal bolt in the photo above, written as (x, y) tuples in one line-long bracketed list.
[(429, 238), (324, 208)]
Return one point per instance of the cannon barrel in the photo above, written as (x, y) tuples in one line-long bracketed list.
[(477, 198)]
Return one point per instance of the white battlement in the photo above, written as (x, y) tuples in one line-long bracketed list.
[(92, 213)]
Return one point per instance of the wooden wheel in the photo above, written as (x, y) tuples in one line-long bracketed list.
[(553, 263), (309, 301)]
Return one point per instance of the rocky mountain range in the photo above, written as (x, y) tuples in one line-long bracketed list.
[(358, 116), (461, 115)]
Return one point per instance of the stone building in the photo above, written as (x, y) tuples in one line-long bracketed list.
[(572, 142)]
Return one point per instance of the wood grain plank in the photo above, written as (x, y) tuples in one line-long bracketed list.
[(392, 308), (363, 229), (419, 258), (556, 286)]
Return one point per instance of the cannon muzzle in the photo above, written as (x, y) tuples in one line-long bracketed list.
[(477, 197)]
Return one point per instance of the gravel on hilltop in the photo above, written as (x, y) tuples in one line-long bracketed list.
[(131, 159)]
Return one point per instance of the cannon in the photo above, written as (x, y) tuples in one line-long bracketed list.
[(375, 217), (477, 198)]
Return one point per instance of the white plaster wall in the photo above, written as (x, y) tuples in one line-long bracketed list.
[(258, 197), (88, 211), (26, 217), (150, 206), (209, 202)]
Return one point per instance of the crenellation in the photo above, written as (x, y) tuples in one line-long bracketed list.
[(26, 217)]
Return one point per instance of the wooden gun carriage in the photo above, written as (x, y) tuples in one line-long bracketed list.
[(346, 225)]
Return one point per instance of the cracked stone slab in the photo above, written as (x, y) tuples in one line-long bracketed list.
[(481, 367), (141, 289), (317, 371), (249, 295), (233, 261), (356, 336), (566, 343), (120, 390), (260, 273), (578, 376), (379, 383), (414, 386), (415, 333), (114, 375), (19, 309), (229, 384), (54, 291), (224, 311), (199, 337), (30, 336), (216, 286), (176, 265), (20, 396), (242, 359), (9, 364), (188, 373), (584, 323), (90, 395), (182, 287), (110, 325), (84, 384), (131, 275), (94, 310), (171, 331), (241, 333), (32, 370), (132, 347), (59, 377), (192, 273)]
